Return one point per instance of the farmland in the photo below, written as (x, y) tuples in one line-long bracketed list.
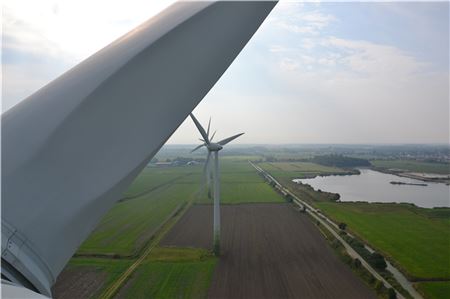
[(255, 234), (413, 166), (241, 184), (435, 289), (171, 273), (396, 229), (290, 170), (88, 277), (268, 251), (129, 224), (154, 196)]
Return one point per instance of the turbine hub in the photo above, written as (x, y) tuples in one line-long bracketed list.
[(214, 147)]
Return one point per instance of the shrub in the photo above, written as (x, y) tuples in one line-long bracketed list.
[(356, 263), (378, 286), (377, 261), (342, 225), (392, 294)]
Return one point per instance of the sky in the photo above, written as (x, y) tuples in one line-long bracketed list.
[(315, 72)]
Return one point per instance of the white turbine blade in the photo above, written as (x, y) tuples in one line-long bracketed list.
[(72, 148), (213, 135), (227, 140), (209, 124), (200, 128), (197, 148)]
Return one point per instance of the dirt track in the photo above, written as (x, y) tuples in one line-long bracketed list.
[(268, 251)]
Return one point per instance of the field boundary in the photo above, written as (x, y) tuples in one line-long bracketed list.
[(154, 241)]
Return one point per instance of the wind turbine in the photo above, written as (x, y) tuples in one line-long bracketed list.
[(213, 147)]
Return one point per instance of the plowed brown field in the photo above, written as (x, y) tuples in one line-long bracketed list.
[(268, 251)]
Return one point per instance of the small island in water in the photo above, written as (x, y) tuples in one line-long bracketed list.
[(411, 184)]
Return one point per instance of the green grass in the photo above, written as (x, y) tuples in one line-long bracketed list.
[(435, 289), (157, 193), (240, 183), (172, 273), (112, 268), (153, 177), (130, 224), (416, 239), (178, 254), (414, 166), (297, 169)]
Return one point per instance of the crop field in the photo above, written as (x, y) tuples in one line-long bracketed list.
[(88, 277), (268, 251), (297, 169), (151, 178), (413, 166), (157, 193), (416, 239), (240, 183), (171, 273), (131, 223), (435, 289)]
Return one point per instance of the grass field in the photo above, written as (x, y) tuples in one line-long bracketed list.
[(416, 239), (435, 289), (297, 169), (88, 277), (130, 224), (171, 273), (413, 166), (152, 177), (240, 183)]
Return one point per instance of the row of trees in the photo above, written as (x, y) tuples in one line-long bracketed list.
[(340, 161)]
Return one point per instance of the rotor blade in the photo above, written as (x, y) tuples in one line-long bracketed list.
[(197, 148), (209, 124), (226, 140), (213, 136), (200, 128), (73, 147)]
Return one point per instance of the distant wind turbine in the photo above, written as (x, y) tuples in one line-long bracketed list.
[(213, 147)]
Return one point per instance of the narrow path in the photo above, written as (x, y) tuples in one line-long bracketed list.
[(327, 223), (114, 288), (155, 187)]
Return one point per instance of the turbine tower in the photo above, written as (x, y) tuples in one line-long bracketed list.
[(213, 147)]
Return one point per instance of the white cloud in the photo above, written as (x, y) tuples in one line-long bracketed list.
[(374, 59)]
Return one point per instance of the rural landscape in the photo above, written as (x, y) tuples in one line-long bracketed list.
[(280, 237)]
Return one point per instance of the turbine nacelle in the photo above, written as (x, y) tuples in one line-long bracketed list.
[(214, 147)]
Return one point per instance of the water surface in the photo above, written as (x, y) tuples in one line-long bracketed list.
[(374, 186)]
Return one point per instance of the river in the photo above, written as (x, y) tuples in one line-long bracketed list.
[(374, 186)]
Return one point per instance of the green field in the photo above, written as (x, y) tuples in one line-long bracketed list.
[(151, 178), (130, 224), (297, 169), (413, 166), (240, 183), (158, 192), (435, 289), (172, 273), (417, 240), (102, 273)]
